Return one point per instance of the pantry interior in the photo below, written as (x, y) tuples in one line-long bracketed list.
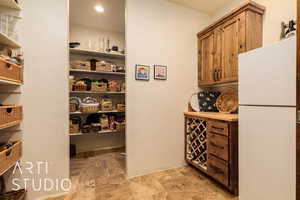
[(97, 77)]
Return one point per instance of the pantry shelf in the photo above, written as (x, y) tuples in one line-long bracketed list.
[(81, 113), (91, 92), (97, 53), (99, 132), (10, 4), (95, 72), (6, 82), (4, 39)]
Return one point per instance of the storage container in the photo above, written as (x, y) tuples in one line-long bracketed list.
[(74, 104), (98, 86), (10, 156), (89, 105), (120, 126), (80, 86), (10, 71), (81, 65), (103, 67), (10, 115), (106, 104), (114, 86), (8, 25), (121, 107), (75, 123)]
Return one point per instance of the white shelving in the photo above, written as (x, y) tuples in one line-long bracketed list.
[(91, 92), (95, 72), (10, 4), (97, 53), (99, 132), (100, 112), (4, 39)]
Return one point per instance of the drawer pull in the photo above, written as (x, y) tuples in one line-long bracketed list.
[(216, 146), (218, 128), (216, 169)]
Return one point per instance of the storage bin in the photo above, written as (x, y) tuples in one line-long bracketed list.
[(74, 104), (10, 71), (8, 24), (121, 107), (10, 156), (89, 105), (103, 67), (120, 126), (98, 86), (75, 123), (81, 65), (10, 115), (79, 86), (114, 86), (106, 104)]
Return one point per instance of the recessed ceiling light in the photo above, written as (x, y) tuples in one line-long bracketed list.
[(99, 8)]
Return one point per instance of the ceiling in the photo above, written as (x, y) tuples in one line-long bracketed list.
[(82, 12), (206, 6)]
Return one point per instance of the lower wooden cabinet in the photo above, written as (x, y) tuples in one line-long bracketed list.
[(212, 147)]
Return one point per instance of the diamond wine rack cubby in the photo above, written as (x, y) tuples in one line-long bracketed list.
[(196, 139)]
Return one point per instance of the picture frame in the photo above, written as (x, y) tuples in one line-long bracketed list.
[(160, 72), (142, 72)]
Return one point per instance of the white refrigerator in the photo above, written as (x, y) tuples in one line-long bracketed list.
[(267, 122)]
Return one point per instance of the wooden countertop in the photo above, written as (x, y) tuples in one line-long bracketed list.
[(213, 115)]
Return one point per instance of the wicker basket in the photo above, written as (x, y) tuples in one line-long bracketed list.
[(14, 195), (81, 65), (10, 71), (103, 67), (10, 156), (114, 86), (121, 107), (106, 105), (73, 107), (75, 123), (120, 126), (99, 86), (79, 86), (91, 108), (10, 115)]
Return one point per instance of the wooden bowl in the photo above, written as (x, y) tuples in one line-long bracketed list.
[(227, 102)]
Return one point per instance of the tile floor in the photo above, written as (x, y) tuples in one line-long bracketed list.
[(102, 177)]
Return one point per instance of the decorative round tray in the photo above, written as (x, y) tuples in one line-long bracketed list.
[(227, 102)]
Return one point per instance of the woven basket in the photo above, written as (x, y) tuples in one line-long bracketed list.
[(73, 107), (79, 87), (121, 107), (14, 195), (10, 71), (120, 126), (10, 115), (103, 67), (75, 123), (89, 108), (10, 156), (81, 65), (227, 102), (99, 87)]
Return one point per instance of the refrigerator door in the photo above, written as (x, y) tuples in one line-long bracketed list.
[(267, 148), (267, 76)]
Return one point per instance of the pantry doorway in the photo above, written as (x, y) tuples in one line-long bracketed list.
[(97, 90)]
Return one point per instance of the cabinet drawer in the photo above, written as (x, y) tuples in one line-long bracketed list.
[(218, 169), (218, 127), (218, 145)]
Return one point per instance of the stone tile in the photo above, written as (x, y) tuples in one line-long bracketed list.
[(103, 177)]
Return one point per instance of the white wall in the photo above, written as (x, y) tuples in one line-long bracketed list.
[(158, 32), (44, 35), (83, 34), (277, 11)]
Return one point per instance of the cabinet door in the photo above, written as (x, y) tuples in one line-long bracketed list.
[(206, 59), (218, 53), (233, 43)]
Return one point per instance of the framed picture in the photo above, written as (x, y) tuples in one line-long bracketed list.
[(142, 72), (160, 72)]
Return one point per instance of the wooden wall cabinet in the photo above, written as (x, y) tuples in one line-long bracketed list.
[(220, 44), (212, 147)]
